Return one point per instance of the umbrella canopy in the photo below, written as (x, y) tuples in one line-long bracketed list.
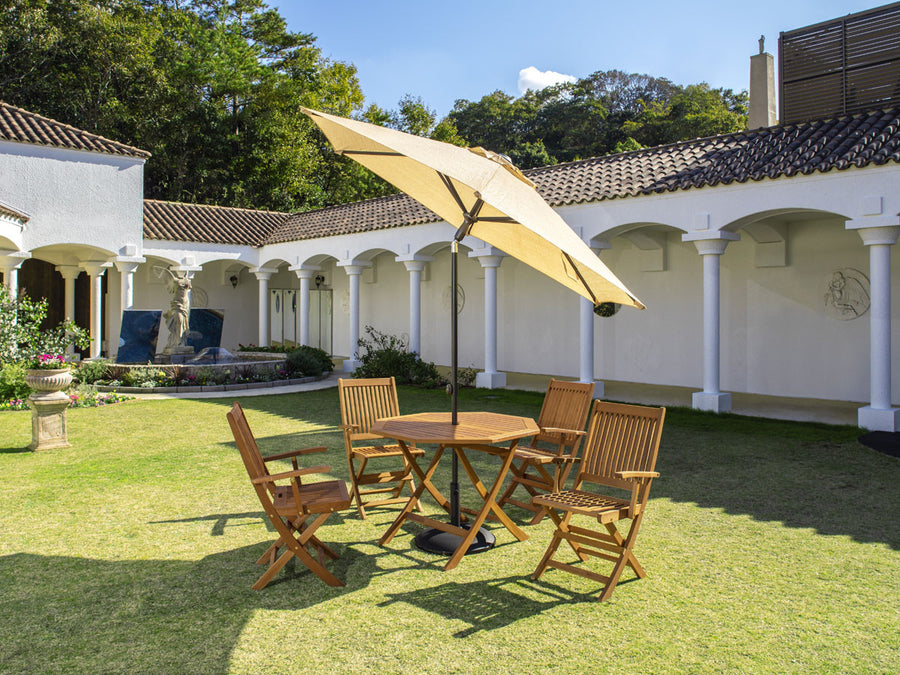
[(482, 195)]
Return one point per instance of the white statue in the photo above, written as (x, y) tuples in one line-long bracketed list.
[(178, 315)]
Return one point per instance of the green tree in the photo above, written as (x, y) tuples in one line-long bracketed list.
[(213, 88), (696, 111)]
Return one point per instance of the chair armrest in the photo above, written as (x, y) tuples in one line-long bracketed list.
[(295, 453), (632, 475), (349, 427), (290, 474), (564, 432)]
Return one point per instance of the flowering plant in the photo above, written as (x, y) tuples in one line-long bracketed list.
[(49, 362)]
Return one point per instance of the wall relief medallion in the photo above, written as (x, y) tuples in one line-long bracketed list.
[(846, 294), (447, 300)]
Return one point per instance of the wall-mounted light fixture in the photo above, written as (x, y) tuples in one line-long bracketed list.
[(234, 280), (320, 279)]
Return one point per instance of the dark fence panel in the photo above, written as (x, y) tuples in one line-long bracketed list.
[(844, 66)]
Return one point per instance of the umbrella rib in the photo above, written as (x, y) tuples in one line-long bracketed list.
[(497, 219), (580, 278), (371, 152), (452, 190)]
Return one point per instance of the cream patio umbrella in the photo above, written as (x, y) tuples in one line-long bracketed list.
[(481, 194)]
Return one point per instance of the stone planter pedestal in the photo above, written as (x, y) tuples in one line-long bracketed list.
[(48, 406)]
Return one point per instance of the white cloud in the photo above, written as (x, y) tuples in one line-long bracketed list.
[(532, 78)]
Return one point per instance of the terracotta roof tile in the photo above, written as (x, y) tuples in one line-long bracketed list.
[(27, 127), (774, 152), (365, 216), (174, 221)]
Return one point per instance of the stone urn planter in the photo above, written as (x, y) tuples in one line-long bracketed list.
[(48, 406)]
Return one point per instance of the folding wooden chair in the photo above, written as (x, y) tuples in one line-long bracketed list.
[(290, 507), (362, 402), (544, 464), (620, 452)]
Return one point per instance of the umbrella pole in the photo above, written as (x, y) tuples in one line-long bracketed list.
[(434, 540), (454, 409)]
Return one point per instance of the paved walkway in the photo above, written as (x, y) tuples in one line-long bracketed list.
[(757, 405)]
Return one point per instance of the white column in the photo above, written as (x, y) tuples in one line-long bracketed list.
[(354, 271), (586, 362), (263, 274), (127, 270), (490, 378), (586, 321), (69, 273), (10, 262), (711, 250), (95, 271), (415, 269), (879, 415), (304, 274)]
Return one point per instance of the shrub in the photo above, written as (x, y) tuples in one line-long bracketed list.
[(389, 356), (21, 335), (12, 381), (309, 361), (89, 372)]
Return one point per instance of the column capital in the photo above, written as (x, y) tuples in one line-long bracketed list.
[(12, 260), (356, 264), (413, 257), (711, 243), (414, 265), (487, 252), (127, 266), (354, 270), (68, 271), (263, 273), (95, 268), (305, 271), (880, 234)]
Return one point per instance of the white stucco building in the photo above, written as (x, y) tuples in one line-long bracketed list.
[(766, 259)]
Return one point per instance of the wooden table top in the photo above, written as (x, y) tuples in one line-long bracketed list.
[(484, 428)]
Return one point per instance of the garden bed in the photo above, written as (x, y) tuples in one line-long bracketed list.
[(187, 389)]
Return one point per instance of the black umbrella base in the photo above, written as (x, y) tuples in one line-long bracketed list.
[(444, 543)]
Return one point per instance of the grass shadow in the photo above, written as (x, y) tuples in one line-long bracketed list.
[(145, 615), (485, 605), (804, 475)]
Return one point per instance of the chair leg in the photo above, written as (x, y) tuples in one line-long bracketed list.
[(354, 479), (273, 569)]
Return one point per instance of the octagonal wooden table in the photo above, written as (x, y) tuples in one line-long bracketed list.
[(488, 432)]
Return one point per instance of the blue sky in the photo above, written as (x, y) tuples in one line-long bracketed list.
[(442, 51)]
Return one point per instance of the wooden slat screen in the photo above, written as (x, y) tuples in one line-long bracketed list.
[(839, 67)]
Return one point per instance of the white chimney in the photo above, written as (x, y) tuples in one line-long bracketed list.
[(762, 88)]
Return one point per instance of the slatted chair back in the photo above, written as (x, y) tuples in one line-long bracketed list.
[(620, 438), (566, 406), (295, 510), (246, 442), (620, 452), (364, 401)]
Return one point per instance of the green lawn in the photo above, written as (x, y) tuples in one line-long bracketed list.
[(770, 547)]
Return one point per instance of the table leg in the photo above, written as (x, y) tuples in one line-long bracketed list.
[(489, 502), (492, 505), (424, 484)]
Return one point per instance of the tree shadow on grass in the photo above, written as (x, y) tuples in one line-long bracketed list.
[(70, 614), (488, 604), (801, 475)]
